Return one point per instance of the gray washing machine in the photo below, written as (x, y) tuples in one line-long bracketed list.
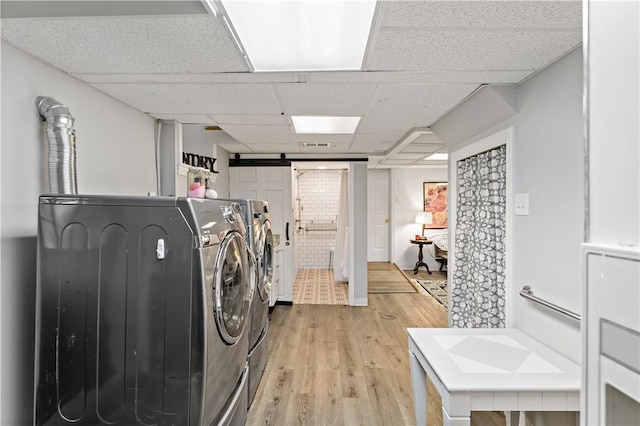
[(142, 311), (260, 242)]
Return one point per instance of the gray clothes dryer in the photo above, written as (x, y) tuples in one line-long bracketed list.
[(260, 242), (142, 305)]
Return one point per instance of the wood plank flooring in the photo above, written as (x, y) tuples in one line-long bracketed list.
[(342, 365), (386, 277)]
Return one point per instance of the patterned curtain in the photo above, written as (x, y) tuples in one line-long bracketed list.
[(478, 288)]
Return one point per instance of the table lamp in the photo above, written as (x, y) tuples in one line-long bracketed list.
[(424, 218)]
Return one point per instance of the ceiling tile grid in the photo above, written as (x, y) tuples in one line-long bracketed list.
[(425, 58)]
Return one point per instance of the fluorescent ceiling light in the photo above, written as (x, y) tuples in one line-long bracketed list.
[(302, 35), (331, 125), (438, 156)]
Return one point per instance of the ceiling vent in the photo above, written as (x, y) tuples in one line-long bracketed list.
[(316, 144)]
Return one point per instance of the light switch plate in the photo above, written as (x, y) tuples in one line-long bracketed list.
[(522, 204)]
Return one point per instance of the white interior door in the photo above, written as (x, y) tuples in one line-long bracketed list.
[(379, 210), (271, 184)]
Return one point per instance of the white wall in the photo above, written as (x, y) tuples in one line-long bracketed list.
[(357, 234), (614, 128), (115, 155), (549, 149), (550, 168), (319, 197), (406, 202), (197, 140)]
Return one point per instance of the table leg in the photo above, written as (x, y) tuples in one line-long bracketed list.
[(419, 385), (455, 421)]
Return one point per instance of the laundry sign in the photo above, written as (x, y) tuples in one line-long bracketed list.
[(199, 161)]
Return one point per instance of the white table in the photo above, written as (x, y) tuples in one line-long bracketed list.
[(487, 370)]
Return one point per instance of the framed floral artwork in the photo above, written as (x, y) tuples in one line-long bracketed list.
[(435, 202)]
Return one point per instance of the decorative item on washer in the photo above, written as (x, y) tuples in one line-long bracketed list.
[(197, 182)]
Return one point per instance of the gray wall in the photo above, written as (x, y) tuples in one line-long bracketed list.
[(549, 166), (115, 155)]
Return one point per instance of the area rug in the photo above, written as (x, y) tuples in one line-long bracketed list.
[(436, 288)]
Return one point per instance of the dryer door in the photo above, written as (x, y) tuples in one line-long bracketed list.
[(265, 261), (232, 287)]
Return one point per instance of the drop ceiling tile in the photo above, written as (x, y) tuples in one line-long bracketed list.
[(185, 118), (422, 148), (208, 99), (323, 150), (60, 8), (379, 143), (236, 148), (469, 50), (395, 162), (398, 108), (275, 148), (260, 134), (326, 99), (252, 119), (193, 78), (334, 139), (447, 76), (482, 14), (195, 44), (408, 156)]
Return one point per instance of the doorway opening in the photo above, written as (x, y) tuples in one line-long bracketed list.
[(320, 224)]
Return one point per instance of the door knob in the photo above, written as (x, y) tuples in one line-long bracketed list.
[(386, 220)]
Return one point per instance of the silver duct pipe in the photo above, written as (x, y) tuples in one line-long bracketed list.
[(62, 145)]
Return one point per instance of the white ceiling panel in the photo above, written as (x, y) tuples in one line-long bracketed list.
[(275, 148), (334, 139), (196, 98), (378, 142), (252, 119), (459, 50), (128, 45), (199, 78), (326, 99), (482, 14), (260, 134), (447, 76), (396, 162), (235, 148), (409, 156), (185, 118), (400, 107), (66, 8), (323, 149), (180, 64)]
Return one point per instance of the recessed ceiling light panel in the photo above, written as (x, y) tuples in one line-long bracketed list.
[(437, 156), (302, 35), (325, 125)]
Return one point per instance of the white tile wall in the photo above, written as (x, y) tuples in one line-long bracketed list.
[(319, 192)]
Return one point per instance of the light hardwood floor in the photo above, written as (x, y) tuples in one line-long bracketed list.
[(341, 365)]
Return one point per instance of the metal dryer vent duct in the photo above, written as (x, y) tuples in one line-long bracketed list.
[(62, 145)]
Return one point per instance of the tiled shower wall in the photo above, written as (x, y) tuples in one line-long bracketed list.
[(319, 192)]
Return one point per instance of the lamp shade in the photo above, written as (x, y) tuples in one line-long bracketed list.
[(424, 218)]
